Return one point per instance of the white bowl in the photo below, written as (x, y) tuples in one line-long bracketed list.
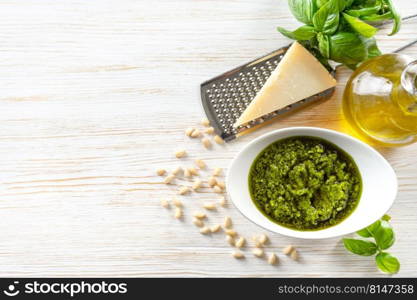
[(378, 179)]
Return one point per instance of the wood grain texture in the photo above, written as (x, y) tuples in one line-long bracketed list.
[(95, 96)]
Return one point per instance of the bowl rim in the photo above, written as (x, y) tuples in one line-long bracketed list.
[(307, 128)]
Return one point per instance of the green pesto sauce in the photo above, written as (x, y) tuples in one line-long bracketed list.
[(305, 183)]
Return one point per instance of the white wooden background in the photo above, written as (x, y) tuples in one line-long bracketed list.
[(95, 95)]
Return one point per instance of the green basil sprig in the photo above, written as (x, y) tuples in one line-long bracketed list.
[(341, 30), (383, 235)]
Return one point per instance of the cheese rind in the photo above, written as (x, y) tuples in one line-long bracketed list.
[(299, 75)]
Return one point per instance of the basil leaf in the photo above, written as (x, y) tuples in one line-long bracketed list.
[(326, 15), (360, 247), (387, 263), (368, 231), (320, 3), (360, 26), (377, 18), (386, 218), (324, 45), (363, 11), (303, 10), (347, 48), (331, 24), (384, 235), (304, 33), (373, 51), (396, 17)]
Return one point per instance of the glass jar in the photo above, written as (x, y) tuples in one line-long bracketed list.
[(380, 100)]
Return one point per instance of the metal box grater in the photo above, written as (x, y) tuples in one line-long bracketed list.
[(225, 97)]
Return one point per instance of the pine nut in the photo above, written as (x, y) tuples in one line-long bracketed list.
[(165, 203), (169, 179), (212, 181), (217, 189), (263, 239), (205, 230), (200, 163), (240, 242), (218, 140), (184, 190), (221, 184), (258, 252), (209, 130), (177, 202), (161, 172), (177, 171), (206, 143), (193, 171), (205, 122), (196, 133), (198, 222), (187, 173), (294, 254), (273, 259), (200, 215), (230, 240), (178, 213), (215, 228), (189, 131), (238, 255), (180, 153), (197, 184), (231, 232), (288, 250), (209, 206), (227, 223), (223, 201), (217, 171)]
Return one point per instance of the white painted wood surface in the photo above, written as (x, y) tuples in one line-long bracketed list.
[(95, 95)]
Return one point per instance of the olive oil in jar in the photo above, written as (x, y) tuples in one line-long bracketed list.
[(380, 100)]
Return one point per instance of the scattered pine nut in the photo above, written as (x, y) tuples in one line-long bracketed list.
[(205, 122), (197, 222), (209, 130), (288, 250), (200, 215), (231, 232), (177, 202), (240, 242), (212, 181), (196, 133), (227, 222), (263, 239), (221, 184), (223, 201), (165, 203), (215, 228), (209, 205), (205, 230), (169, 179), (178, 213), (193, 171), (187, 173), (258, 244), (218, 140), (177, 171), (180, 153), (184, 190), (206, 143), (294, 255), (273, 259), (200, 163), (197, 184), (161, 172), (217, 171), (258, 252), (189, 131), (238, 255), (217, 189), (230, 240)]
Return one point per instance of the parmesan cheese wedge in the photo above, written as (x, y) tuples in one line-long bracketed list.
[(299, 75)]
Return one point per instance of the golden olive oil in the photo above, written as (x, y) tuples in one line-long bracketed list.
[(380, 100)]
